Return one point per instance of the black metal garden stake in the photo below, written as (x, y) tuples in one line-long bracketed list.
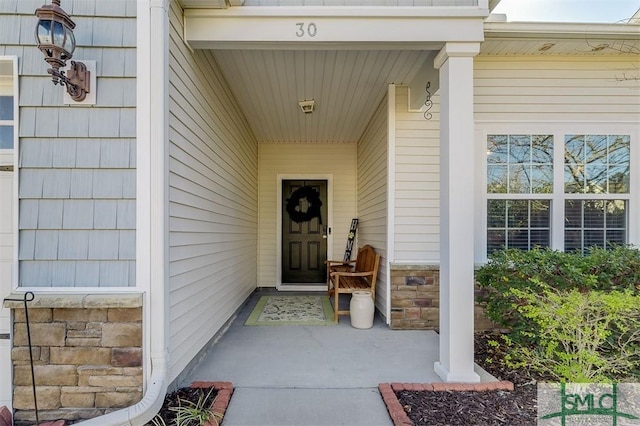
[(28, 297)]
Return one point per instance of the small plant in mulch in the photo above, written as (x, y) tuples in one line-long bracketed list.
[(188, 407)]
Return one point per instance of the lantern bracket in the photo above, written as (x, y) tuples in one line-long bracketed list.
[(77, 82)]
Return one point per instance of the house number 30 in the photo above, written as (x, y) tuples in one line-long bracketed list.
[(306, 29)]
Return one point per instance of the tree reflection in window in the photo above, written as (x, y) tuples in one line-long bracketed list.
[(596, 164), (519, 164), (520, 183)]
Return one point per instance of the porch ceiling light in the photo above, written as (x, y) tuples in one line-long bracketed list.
[(54, 36), (307, 106)]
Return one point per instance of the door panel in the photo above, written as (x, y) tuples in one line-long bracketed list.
[(304, 240)]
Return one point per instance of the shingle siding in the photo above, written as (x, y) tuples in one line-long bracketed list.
[(77, 184), (105, 214), (64, 153), (74, 245), (81, 183), (53, 218)]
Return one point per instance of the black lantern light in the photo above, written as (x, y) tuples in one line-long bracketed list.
[(54, 35)]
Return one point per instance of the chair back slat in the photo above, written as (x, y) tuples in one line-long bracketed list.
[(366, 259)]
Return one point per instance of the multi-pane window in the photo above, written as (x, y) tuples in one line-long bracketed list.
[(596, 165), (518, 166), (6, 105), (521, 201), (521, 224), (591, 223)]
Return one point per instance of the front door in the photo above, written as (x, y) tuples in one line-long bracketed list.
[(6, 268), (304, 236)]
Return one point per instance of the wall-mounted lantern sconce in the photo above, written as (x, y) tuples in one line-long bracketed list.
[(54, 35)]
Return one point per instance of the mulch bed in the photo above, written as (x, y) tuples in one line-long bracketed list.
[(487, 408), (218, 400), (179, 397)]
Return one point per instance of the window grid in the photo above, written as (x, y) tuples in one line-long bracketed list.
[(522, 224), (520, 164), (6, 116), (599, 167), (596, 164), (589, 223)]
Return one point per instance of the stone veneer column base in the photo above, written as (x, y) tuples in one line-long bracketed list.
[(415, 298), (87, 353)]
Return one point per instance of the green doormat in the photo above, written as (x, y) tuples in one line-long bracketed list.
[(292, 310)]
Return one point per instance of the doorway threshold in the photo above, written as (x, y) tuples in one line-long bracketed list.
[(302, 287)]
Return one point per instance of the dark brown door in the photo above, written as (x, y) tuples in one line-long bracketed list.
[(304, 239)]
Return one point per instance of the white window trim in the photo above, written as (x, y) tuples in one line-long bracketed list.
[(558, 130), (9, 156)]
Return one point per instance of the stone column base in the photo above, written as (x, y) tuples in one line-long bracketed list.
[(87, 353), (415, 293)]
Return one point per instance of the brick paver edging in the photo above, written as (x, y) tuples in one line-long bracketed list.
[(396, 411), (225, 390)]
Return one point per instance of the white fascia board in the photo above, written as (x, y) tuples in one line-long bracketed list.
[(560, 31), (210, 4), (332, 27), (204, 4), (346, 11)]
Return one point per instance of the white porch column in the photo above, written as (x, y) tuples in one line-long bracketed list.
[(455, 62)]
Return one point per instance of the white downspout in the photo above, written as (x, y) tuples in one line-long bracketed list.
[(152, 227)]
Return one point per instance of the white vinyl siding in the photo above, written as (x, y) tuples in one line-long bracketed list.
[(557, 96), (300, 159), (212, 200), (373, 193), (556, 89), (77, 164), (417, 176)]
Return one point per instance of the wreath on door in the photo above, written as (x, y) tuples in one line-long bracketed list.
[(314, 204)]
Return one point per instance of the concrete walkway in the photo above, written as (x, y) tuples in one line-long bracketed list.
[(314, 375)]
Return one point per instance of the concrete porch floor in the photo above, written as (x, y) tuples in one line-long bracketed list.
[(314, 375)]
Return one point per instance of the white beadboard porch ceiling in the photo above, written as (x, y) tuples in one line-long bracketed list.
[(347, 86)]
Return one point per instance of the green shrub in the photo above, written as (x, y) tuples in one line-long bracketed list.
[(571, 317), (532, 271), (581, 337)]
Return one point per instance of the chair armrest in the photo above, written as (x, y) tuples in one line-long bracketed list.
[(351, 274), (338, 262)]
